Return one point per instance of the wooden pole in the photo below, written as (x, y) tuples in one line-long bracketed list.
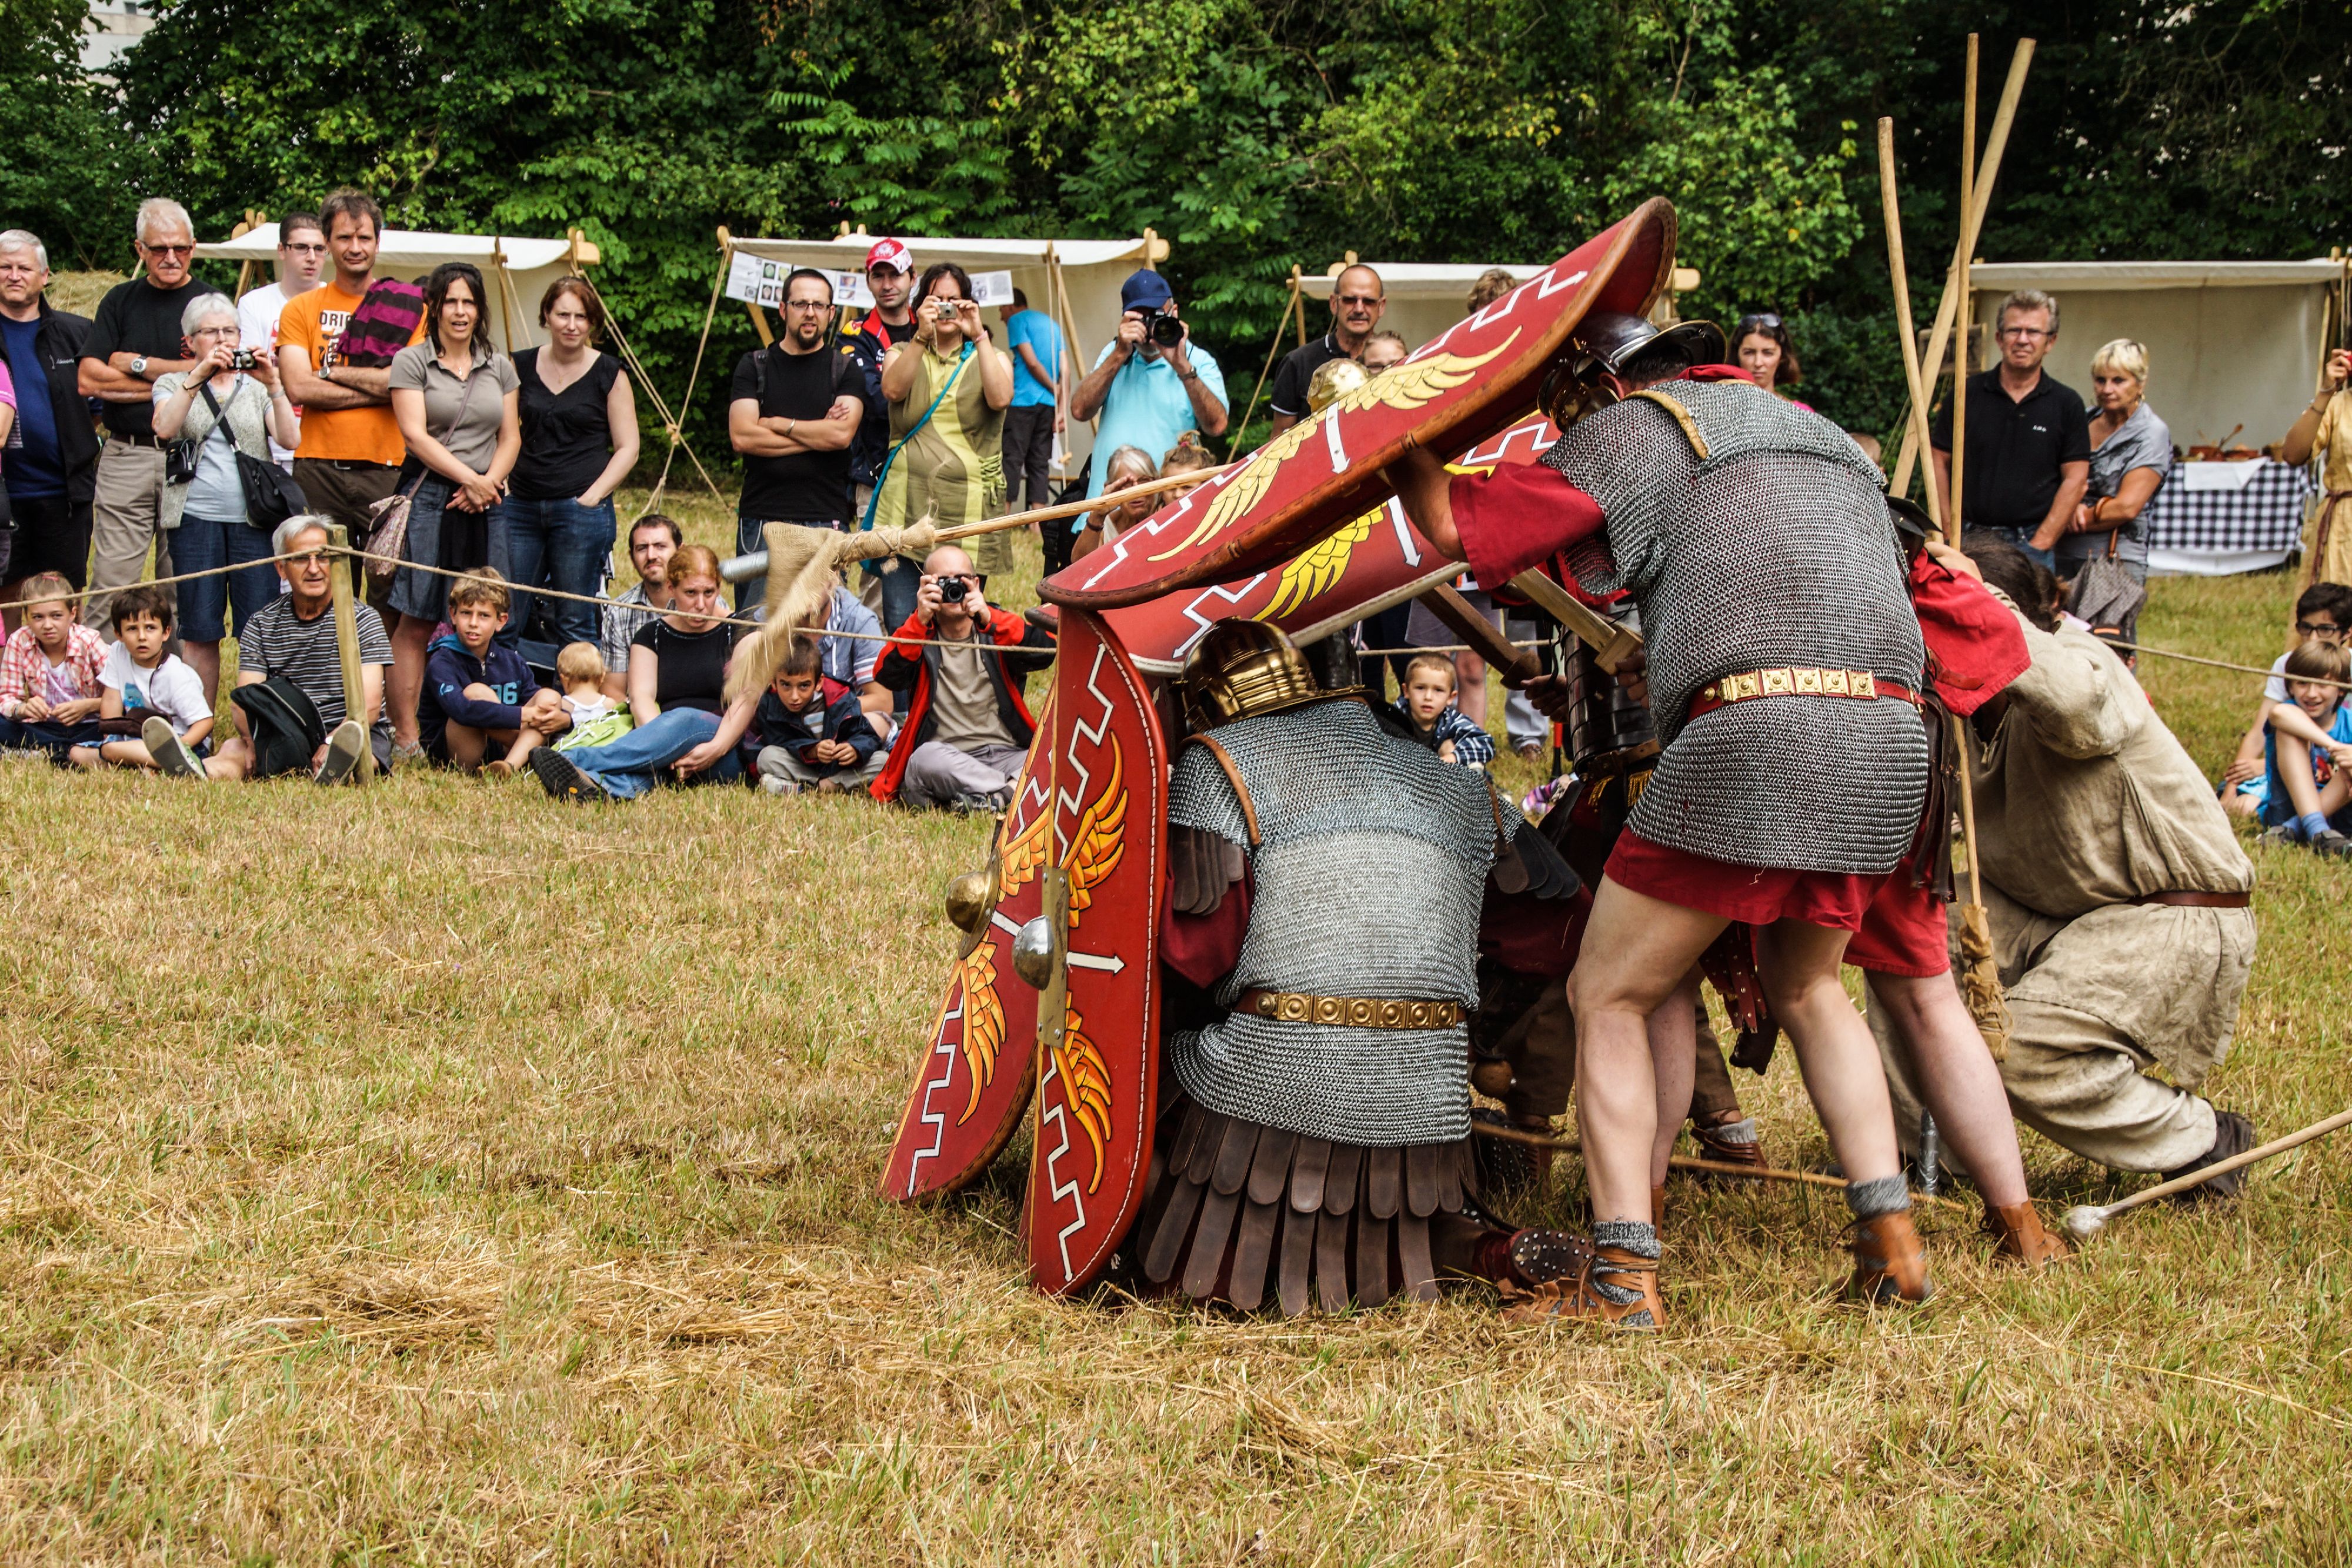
[(1903, 331), (1961, 355), (1972, 221), (1273, 349), (1298, 290), (347, 642)]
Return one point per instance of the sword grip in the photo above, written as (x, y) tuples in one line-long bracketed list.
[(1609, 642)]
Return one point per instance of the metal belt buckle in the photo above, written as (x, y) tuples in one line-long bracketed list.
[(1865, 687), (1834, 683), (1809, 683), (1776, 682)]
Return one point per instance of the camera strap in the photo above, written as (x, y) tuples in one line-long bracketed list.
[(882, 474)]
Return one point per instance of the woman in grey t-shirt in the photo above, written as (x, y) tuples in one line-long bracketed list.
[(456, 398), (2131, 454)]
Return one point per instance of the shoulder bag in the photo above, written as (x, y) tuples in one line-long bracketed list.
[(388, 530), (271, 496)]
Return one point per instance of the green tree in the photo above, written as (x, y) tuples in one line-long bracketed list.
[(67, 174)]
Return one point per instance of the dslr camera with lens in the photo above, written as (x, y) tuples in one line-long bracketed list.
[(1163, 327), (954, 590)]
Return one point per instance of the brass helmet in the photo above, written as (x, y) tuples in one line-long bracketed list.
[(1334, 378), (1243, 668)]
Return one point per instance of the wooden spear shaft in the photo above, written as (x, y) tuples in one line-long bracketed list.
[(1960, 357), (1684, 1161), (1073, 508), (1972, 221), (1903, 331)]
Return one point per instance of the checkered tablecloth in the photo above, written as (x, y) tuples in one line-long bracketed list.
[(2263, 514)]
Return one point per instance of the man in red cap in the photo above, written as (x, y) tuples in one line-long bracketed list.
[(1783, 663), (890, 279)]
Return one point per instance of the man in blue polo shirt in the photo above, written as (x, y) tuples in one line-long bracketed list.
[(1149, 392)]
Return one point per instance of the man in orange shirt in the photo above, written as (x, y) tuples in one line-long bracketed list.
[(351, 453)]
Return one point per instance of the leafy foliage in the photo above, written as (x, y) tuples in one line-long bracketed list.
[(1254, 134)]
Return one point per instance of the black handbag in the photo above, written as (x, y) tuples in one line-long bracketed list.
[(271, 496)]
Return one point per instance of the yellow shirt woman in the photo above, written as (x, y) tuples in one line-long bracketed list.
[(952, 468)]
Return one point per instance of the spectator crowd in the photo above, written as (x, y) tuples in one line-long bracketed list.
[(220, 437)]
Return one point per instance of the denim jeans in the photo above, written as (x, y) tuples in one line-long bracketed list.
[(750, 535), (2023, 538), (565, 546), (639, 759), (203, 544), (55, 738)]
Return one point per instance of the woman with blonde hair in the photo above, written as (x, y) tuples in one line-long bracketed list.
[(2131, 454), (1124, 470)]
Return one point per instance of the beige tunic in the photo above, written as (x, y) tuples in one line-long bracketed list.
[(2084, 802)]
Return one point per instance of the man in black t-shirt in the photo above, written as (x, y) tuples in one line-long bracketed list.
[(2028, 458), (1359, 300), (792, 412), (135, 339)]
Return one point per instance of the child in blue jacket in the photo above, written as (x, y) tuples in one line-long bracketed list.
[(477, 694), (807, 742)]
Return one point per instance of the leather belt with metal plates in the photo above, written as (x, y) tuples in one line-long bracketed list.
[(1350, 1011)]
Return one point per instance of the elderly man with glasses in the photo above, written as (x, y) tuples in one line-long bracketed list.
[(51, 467), (134, 340), (1358, 301), (2029, 457)]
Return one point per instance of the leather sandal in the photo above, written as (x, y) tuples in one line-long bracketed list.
[(1521, 1262), (1722, 1152), (2018, 1235), (1574, 1299), (1889, 1264)]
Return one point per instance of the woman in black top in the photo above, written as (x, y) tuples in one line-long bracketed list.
[(579, 442), (685, 730)]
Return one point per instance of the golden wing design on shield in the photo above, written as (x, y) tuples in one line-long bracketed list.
[(1244, 489), (1099, 840), (1085, 1078), (1408, 386), (1318, 568), (984, 1021), (1025, 852)]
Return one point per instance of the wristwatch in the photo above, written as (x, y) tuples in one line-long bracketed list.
[(138, 366)]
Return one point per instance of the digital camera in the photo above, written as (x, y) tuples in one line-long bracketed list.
[(954, 590), (943, 309), (240, 358), (1163, 328)]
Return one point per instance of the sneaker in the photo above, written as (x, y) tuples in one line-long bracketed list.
[(172, 755), (2233, 1135), (345, 747), (2332, 846), (2282, 836), (975, 806), (564, 779)]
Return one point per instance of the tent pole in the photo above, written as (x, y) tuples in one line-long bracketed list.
[(1906, 335), (253, 220), (1069, 319), (1960, 365), (1298, 291), (514, 298), (1294, 301)]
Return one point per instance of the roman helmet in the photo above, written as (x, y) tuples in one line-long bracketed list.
[(1243, 668)]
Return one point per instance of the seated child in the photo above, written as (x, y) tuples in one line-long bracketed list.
[(1428, 711), (2309, 754), (596, 715), (50, 693), (141, 687), (807, 744), (477, 694), (2323, 611)]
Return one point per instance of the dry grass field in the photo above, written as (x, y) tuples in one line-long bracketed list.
[(433, 1175)]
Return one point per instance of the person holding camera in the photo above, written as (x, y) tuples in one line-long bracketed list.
[(965, 664), (948, 391), (231, 402), (1151, 383)]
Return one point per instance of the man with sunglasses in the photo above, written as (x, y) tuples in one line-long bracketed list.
[(301, 267), (2029, 457), (792, 411), (1358, 301), (135, 340)]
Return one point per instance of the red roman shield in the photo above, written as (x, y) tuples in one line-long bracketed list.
[(1479, 375), (1377, 559), (975, 1080), (1105, 767)]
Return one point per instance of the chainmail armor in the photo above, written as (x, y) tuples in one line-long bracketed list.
[(1777, 550), (1370, 878)]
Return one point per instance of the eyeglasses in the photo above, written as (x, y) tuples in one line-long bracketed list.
[(1356, 299), (2023, 332), (808, 305), (2318, 628), (187, 249), (305, 250), (308, 557), (227, 332)]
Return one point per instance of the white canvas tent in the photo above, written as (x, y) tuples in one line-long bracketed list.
[(2230, 344), (517, 270), (1075, 281)]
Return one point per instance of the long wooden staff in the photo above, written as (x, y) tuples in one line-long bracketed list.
[(1903, 331), (1972, 221), (1682, 1162), (1962, 356)]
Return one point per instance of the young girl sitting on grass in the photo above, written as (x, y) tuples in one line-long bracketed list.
[(50, 693), (596, 716), (2308, 752), (1428, 711), (142, 686)]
